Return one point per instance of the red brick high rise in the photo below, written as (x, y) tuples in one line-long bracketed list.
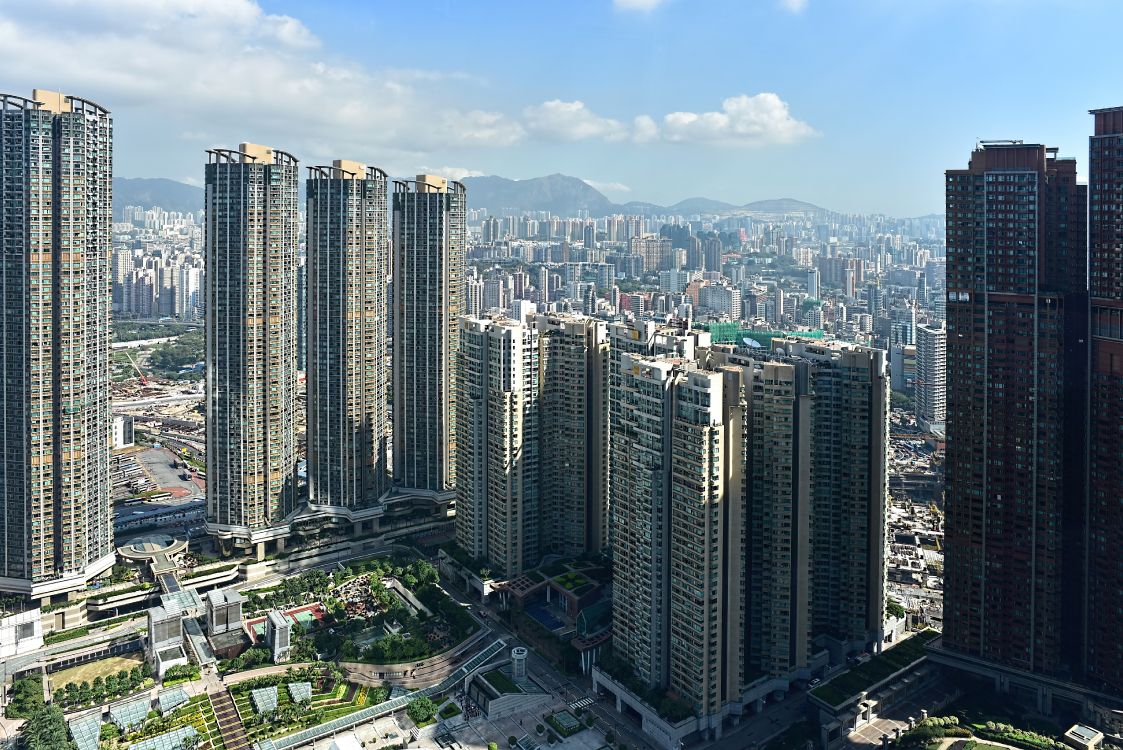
[(1016, 363), (1105, 430)]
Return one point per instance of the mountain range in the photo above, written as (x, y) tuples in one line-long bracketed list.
[(557, 193)]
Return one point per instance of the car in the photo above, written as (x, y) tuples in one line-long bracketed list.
[(815, 681)]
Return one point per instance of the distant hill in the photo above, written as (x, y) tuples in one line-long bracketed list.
[(147, 192), (782, 206), (565, 196), (557, 193), (700, 206)]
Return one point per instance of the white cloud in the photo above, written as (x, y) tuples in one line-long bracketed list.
[(793, 6), (571, 121), (452, 173), (608, 187), (644, 129), (645, 6), (231, 71), (743, 121)]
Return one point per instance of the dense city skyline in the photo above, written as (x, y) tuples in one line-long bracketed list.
[(348, 444), (784, 98)]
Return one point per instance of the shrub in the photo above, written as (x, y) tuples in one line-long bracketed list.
[(492, 746)]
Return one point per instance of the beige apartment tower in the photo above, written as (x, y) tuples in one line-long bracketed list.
[(706, 540), (429, 259), (348, 267), (532, 436), (56, 174), (497, 490), (251, 242)]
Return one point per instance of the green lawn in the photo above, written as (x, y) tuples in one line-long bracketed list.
[(501, 682), (878, 668)]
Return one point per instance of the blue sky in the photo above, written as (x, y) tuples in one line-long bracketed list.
[(856, 105)]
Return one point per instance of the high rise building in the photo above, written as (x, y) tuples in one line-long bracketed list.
[(813, 283), (655, 251), (430, 240), (531, 450), (574, 432), (640, 409), (722, 299), (931, 376), (1016, 358), (302, 314), (251, 243), (348, 261), (56, 175), (748, 495), (498, 449), (849, 489), (641, 416), (776, 520), (1104, 651), (704, 537)]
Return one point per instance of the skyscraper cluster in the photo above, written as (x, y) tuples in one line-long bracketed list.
[(741, 493), (252, 350), (158, 264), (1033, 576)]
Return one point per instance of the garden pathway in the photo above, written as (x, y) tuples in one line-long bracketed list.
[(229, 724)]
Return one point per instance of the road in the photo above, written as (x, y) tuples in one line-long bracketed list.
[(758, 729)]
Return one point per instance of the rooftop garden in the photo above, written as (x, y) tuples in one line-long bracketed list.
[(880, 667), (571, 581), (365, 619), (331, 698)]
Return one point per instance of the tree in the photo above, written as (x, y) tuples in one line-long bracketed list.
[(46, 730), (893, 609), (27, 697), (421, 710)]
